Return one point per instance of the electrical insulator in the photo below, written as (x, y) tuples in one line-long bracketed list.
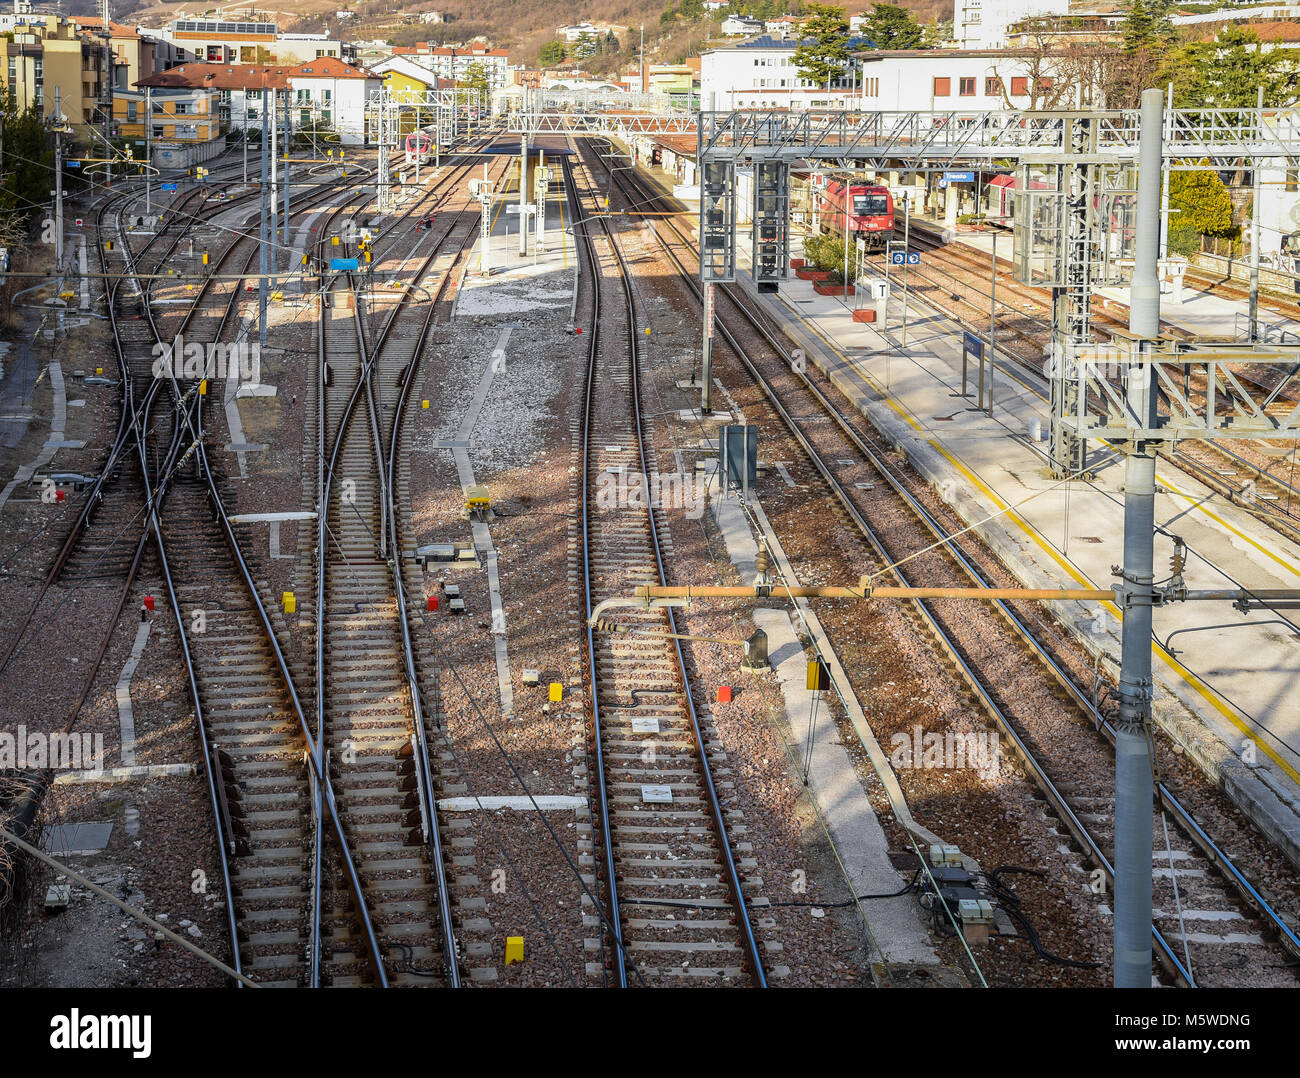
[(1178, 560), (763, 562)]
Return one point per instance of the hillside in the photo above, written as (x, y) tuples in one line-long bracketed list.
[(522, 26)]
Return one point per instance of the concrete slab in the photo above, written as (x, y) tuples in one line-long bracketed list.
[(76, 839)]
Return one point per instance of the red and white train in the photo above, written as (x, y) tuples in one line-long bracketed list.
[(870, 212)]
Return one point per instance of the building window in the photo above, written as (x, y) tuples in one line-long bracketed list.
[(130, 112), (870, 87), (1045, 83), (966, 87), (157, 130), (13, 69), (1019, 86), (993, 87), (942, 87)]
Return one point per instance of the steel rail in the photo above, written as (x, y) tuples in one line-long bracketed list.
[(1167, 799), (750, 947)]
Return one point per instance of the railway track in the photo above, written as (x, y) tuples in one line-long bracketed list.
[(666, 839), (374, 694), (1051, 729)]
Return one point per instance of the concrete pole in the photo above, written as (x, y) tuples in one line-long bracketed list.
[(1254, 226), (288, 144), (1164, 187), (523, 195), (148, 147), (540, 191), (58, 186), (706, 354), (264, 233), (275, 190), (907, 245), (1134, 787)]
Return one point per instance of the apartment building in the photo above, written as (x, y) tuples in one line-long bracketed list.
[(455, 64), (325, 91), (47, 55), (248, 42), (984, 24), (762, 74)]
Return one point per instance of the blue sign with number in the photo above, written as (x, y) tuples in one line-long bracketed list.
[(343, 265), (972, 345), (959, 177), (168, 186), (74, 164), (913, 258), (898, 258)]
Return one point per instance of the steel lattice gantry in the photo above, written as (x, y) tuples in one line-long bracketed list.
[(1077, 166)]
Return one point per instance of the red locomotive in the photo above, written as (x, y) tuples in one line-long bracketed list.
[(870, 212)]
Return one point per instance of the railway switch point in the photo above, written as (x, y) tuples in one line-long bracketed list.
[(514, 949)]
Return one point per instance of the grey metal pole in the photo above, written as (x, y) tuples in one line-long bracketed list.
[(1133, 774), (148, 147), (264, 233), (993, 326), (1254, 224), (907, 246)]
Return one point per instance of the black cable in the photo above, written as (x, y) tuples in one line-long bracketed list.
[(1009, 900)]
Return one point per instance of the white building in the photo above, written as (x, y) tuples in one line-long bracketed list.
[(572, 33), (325, 90), (762, 75), (741, 26), (334, 93), (431, 16), (455, 64), (982, 24)]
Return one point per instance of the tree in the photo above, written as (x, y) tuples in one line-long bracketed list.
[(1225, 73), (825, 52), (1199, 206), (28, 160), (552, 53), (584, 46), (475, 79), (892, 27)]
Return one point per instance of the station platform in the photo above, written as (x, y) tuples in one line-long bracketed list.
[(1225, 681)]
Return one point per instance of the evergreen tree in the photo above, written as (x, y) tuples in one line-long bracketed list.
[(892, 27), (824, 55), (1225, 73)]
